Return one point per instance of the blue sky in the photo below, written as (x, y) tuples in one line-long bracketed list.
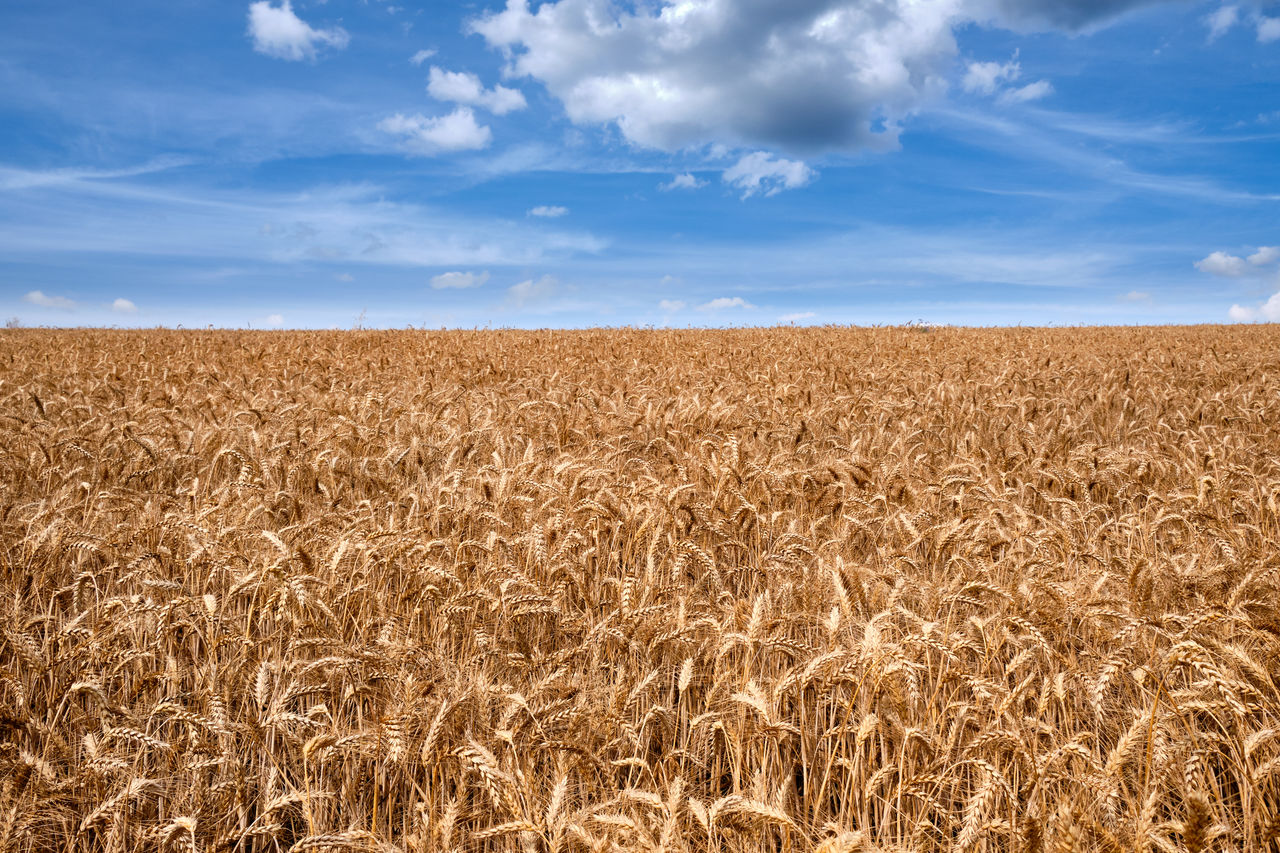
[(586, 163)]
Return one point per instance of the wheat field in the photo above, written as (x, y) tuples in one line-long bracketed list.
[(739, 590)]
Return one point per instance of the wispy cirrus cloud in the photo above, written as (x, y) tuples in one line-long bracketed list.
[(351, 224)]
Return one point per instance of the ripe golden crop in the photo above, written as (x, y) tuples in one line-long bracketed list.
[(762, 589)]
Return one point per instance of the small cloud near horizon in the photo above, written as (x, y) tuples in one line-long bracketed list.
[(37, 297), (724, 302), (459, 280), (531, 291)]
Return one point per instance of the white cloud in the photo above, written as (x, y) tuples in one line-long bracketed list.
[(687, 181), (1222, 264), (549, 211), (671, 306), (275, 321), (278, 32), (345, 277), (356, 225), (1265, 255), (831, 73), (988, 78), (531, 291), (723, 302), (1030, 92), (797, 317), (1070, 15), (1221, 20), (457, 131), (459, 280), (984, 78), (37, 297), (1268, 29), (124, 306), (461, 87), (791, 76), (1268, 311), (1136, 296), (422, 56), (761, 171)]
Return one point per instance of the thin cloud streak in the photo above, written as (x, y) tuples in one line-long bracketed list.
[(352, 224)]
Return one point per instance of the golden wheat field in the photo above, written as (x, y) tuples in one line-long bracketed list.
[(740, 590)]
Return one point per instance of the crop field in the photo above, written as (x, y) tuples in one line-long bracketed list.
[(638, 590)]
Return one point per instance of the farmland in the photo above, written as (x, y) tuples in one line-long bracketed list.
[(744, 590)]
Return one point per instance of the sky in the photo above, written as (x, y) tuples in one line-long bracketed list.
[(570, 163)]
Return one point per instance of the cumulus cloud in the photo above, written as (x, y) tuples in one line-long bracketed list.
[(762, 172), (687, 181), (37, 297), (422, 56), (1071, 15), (1227, 16), (532, 291), (457, 131), (459, 280), (1136, 296), (1030, 92), (1268, 311), (275, 321), (1222, 264), (671, 306), (1221, 20), (1265, 255), (124, 306), (791, 75), (796, 77), (462, 87), (278, 32), (724, 302), (549, 211), (983, 78)]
